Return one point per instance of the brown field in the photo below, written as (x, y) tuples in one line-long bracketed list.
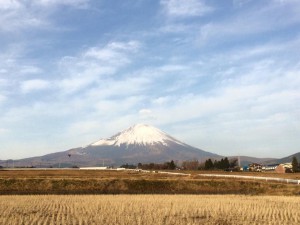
[(149, 209), (295, 176), (162, 201), (44, 173), (132, 182), (75, 173)]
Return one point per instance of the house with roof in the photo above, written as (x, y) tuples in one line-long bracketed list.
[(284, 168)]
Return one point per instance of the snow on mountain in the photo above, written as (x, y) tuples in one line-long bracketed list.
[(138, 144), (139, 134)]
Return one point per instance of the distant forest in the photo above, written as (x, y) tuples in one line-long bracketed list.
[(209, 164)]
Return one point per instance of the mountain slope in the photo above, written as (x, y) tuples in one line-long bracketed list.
[(139, 143), (143, 143), (246, 160), (285, 159), (139, 134)]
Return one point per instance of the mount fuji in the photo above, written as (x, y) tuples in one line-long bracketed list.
[(139, 143)]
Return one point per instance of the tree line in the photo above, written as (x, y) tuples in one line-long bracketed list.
[(295, 165), (209, 164), (223, 164), (152, 166)]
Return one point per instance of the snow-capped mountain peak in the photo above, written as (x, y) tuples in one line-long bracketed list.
[(139, 134)]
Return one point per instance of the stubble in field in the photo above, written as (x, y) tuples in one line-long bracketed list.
[(149, 209)]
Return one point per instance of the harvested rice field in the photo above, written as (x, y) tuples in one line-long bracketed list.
[(149, 209)]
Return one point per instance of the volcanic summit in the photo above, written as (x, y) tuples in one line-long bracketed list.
[(140, 143)]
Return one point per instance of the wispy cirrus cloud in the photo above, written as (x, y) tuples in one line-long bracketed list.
[(187, 8), (73, 3), (14, 64), (226, 71), (94, 63), (240, 3), (286, 1), (249, 23), (9, 4), (18, 15), (34, 85), (90, 72), (112, 53), (16, 73), (3, 131), (2, 98), (251, 100)]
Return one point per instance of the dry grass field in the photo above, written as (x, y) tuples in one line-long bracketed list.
[(132, 182), (255, 206), (41, 173), (260, 174), (149, 209)]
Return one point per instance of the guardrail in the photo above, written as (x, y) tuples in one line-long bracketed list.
[(288, 181)]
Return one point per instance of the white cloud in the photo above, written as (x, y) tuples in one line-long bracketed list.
[(226, 96), (147, 116), (120, 88), (14, 69), (108, 108), (101, 54), (17, 16), (243, 114), (3, 82), (27, 69), (177, 28), (130, 45), (103, 117), (9, 4), (70, 85), (3, 131), (145, 113), (34, 85), (83, 127), (162, 100), (249, 22), (187, 8), (113, 52), (74, 3), (286, 1), (173, 68), (240, 3), (94, 63), (2, 98)]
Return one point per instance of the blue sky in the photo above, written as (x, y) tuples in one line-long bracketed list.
[(223, 76)]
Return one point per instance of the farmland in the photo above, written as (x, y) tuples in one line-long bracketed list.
[(149, 209), (85, 197), (133, 182)]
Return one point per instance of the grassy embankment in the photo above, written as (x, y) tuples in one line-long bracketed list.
[(124, 182)]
